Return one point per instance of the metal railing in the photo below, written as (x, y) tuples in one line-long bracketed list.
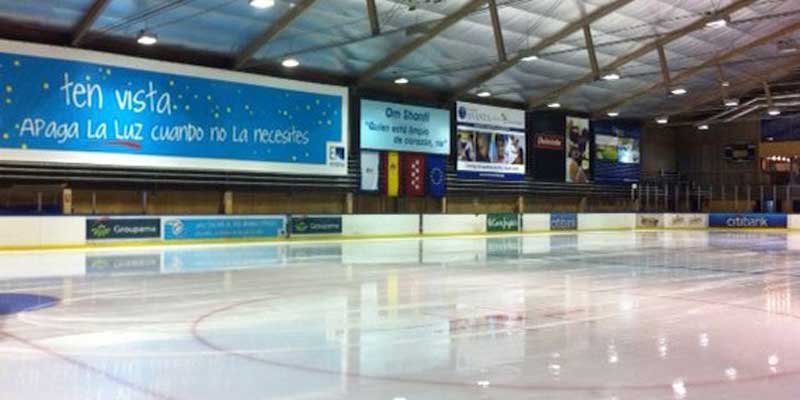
[(717, 198)]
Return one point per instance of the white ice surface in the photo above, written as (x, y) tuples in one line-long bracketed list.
[(622, 315)]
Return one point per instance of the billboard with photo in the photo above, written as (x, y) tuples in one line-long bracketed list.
[(616, 151), (578, 159), (490, 142)]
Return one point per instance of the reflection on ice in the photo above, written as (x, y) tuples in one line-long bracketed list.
[(662, 315)]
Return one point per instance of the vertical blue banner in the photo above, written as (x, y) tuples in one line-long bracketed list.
[(73, 106)]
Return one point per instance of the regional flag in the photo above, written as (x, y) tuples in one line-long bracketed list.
[(414, 174), (370, 171)]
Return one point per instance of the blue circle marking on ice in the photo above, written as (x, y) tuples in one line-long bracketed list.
[(12, 303)]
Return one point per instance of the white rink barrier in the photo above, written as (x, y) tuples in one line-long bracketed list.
[(793, 221), (686, 221), (452, 224), (380, 225), (42, 231), (589, 222), (535, 222)]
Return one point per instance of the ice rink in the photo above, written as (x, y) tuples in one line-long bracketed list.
[(617, 315)]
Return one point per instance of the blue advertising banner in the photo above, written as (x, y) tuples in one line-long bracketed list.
[(400, 127), (563, 221), (747, 220), (616, 151), (73, 106), (223, 227)]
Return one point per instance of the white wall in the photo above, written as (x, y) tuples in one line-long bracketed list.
[(606, 221), (42, 231), (535, 222), (453, 223), (380, 224)]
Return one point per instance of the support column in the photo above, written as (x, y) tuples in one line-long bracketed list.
[(144, 202), (521, 204), (227, 202), (66, 201), (348, 203), (444, 204)]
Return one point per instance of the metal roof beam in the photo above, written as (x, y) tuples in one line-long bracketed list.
[(587, 36), (498, 31), (699, 23), (571, 28), (255, 44), (372, 13), (87, 20), (715, 61), (408, 48), (744, 85), (662, 62)]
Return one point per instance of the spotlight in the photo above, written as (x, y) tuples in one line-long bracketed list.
[(611, 77), (290, 62), (774, 111), (530, 58), (484, 93), (662, 120), (678, 91), (731, 102), (401, 81), (554, 104), (146, 38), (613, 114), (262, 4), (703, 127), (717, 23)]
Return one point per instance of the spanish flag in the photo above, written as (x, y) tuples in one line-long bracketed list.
[(392, 174)]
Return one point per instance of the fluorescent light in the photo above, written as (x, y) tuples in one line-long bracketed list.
[(554, 104), (717, 23), (702, 127), (731, 102), (262, 4), (401, 81), (146, 38), (613, 114), (290, 62), (530, 58), (678, 91), (774, 111), (484, 93), (611, 77), (662, 120), (725, 83)]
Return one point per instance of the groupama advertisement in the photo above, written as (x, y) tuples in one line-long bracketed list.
[(72, 106)]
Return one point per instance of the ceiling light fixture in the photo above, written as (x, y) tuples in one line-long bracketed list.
[(731, 102), (554, 104), (703, 127), (774, 112), (530, 58), (401, 81), (146, 38), (484, 93), (262, 4), (290, 62), (678, 91), (662, 120), (717, 23), (611, 77), (613, 114)]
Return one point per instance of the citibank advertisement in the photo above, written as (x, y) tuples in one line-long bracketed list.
[(401, 127), (491, 142), (747, 220), (79, 107), (176, 228)]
